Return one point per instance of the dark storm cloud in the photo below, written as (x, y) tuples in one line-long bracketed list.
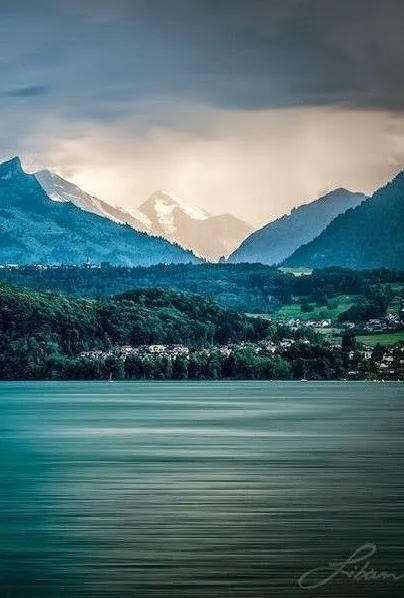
[(101, 57), (29, 91)]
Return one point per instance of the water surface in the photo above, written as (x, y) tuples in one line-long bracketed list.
[(198, 489)]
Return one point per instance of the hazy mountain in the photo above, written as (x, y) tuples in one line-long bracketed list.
[(369, 236), (59, 189), (36, 229), (162, 215), (209, 236), (279, 239)]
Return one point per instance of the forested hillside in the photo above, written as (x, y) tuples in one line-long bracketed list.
[(369, 236), (277, 240), (40, 333), (37, 230), (243, 287)]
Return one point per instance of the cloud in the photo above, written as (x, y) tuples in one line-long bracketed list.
[(29, 91), (250, 106), (257, 165), (243, 54)]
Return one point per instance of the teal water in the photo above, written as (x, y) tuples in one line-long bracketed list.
[(198, 490)]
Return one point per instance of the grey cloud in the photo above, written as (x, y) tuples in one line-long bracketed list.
[(100, 57), (29, 91)]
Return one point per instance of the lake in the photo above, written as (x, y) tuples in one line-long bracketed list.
[(227, 489)]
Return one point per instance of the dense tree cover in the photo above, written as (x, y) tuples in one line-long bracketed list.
[(44, 335), (243, 364), (277, 240), (368, 236), (37, 230), (244, 287), (39, 329), (374, 305)]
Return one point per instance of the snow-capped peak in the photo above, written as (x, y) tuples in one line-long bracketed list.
[(60, 190), (163, 214), (165, 211), (191, 210)]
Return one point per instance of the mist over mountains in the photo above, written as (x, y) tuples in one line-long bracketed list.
[(36, 229), (369, 236), (46, 219), (279, 239), (163, 214)]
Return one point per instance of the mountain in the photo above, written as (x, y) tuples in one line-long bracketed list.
[(162, 215), (279, 239), (61, 190), (209, 236), (35, 229), (369, 236)]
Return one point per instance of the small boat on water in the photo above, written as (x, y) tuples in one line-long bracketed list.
[(110, 378)]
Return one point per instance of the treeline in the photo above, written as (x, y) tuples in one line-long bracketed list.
[(46, 336), (311, 362), (314, 363), (38, 330), (198, 365), (242, 287), (373, 305)]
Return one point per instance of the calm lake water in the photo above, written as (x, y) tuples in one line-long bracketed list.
[(199, 490)]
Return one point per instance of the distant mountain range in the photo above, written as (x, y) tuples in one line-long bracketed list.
[(36, 229), (163, 215), (369, 236), (45, 219), (209, 236), (279, 239), (61, 190)]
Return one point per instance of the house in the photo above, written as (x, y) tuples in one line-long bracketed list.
[(126, 349), (286, 343), (157, 349), (93, 354), (226, 351), (322, 323), (179, 350)]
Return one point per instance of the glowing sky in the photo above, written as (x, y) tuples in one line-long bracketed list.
[(246, 106)]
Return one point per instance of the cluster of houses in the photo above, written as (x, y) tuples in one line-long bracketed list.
[(389, 363), (123, 352), (296, 323), (389, 323), (173, 351)]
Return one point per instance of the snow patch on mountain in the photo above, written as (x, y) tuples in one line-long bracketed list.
[(162, 215)]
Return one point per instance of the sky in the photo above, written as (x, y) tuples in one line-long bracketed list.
[(244, 106)]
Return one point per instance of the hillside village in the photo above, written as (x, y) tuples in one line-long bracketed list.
[(156, 332), (362, 361)]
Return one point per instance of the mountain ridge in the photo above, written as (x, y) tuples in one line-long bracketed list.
[(60, 189), (277, 240), (36, 229), (162, 214), (368, 236)]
